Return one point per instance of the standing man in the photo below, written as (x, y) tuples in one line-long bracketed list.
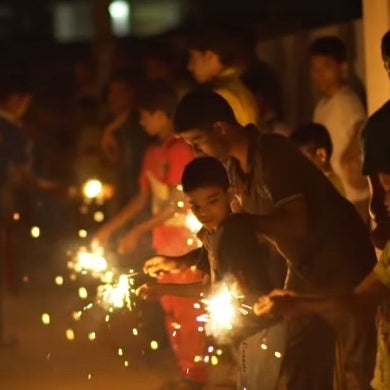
[(342, 113), (327, 248)]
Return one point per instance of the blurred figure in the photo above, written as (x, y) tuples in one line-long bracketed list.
[(342, 113), (263, 83), (162, 167), (212, 59), (313, 140), (161, 65), (123, 142)]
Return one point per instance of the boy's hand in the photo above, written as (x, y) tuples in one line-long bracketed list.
[(149, 291), (277, 303), (161, 264)]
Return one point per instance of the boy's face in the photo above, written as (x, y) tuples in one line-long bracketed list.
[(384, 179), (153, 122), (207, 143), (203, 65), (211, 205), (326, 73)]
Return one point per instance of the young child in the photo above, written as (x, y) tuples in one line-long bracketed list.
[(162, 166), (313, 140), (234, 257)]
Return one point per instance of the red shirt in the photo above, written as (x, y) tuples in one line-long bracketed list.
[(162, 168)]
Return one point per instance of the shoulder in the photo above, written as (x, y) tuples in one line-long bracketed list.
[(378, 122)]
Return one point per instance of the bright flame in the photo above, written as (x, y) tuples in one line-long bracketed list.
[(115, 295), (93, 262), (45, 319), (69, 334), (83, 293), (92, 188), (221, 310), (91, 336), (98, 216), (35, 232), (83, 233)]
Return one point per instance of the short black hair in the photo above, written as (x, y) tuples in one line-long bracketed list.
[(158, 96), (12, 83), (385, 44), (313, 135), (204, 172), (329, 46), (200, 109), (226, 44)]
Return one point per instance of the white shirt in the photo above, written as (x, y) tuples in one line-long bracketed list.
[(341, 114)]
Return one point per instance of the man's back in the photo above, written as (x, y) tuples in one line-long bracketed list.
[(336, 254)]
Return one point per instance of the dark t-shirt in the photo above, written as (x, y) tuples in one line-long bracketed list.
[(233, 252), (376, 141), (13, 147), (337, 253)]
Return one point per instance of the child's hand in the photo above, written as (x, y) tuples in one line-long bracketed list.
[(160, 264), (277, 303), (149, 291)]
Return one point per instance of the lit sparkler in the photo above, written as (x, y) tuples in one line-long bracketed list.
[(116, 295), (222, 311), (89, 261)]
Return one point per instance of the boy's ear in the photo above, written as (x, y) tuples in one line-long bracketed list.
[(322, 154), (220, 127)]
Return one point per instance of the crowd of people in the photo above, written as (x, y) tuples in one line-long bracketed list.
[(284, 210)]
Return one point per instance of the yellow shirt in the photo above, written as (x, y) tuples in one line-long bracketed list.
[(239, 97), (381, 379)]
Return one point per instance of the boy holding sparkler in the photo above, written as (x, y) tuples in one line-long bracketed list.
[(234, 261), (162, 166)]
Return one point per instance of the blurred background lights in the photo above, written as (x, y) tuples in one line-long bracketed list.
[(120, 17)]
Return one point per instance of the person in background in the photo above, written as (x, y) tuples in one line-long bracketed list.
[(342, 113), (124, 141), (314, 142), (160, 175), (375, 144), (212, 57)]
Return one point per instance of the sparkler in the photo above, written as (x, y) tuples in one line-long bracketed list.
[(116, 295), (222, 310), (90, 261)]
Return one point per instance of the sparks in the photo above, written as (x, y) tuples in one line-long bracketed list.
[(92, 189)]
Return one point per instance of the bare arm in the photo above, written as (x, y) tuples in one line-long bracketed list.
[(159, 264), (188, 290), (137, 204)]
